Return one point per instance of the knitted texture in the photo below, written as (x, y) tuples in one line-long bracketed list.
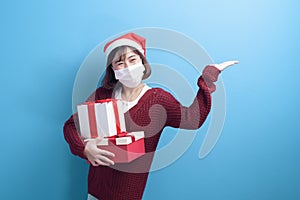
[(155, 110)]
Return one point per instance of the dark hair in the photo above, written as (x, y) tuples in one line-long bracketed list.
[(109, 81)]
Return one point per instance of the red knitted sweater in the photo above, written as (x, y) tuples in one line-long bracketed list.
[(155, 110)]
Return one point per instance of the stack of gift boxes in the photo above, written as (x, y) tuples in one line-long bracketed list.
[(104, 119)]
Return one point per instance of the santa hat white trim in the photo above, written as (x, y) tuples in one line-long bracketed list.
[(122, 42)]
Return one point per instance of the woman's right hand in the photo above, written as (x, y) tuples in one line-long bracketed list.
[(97, 156)]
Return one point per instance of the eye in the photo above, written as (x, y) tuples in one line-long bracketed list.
[(132, 60), (119, 63)]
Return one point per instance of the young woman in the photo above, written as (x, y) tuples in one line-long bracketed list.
[(148, 109)]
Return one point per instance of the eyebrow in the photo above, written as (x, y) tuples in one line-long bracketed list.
[(132, 56), (116, 61)]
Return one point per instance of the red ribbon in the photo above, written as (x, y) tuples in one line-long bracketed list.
[(92, 120), (122, 134)]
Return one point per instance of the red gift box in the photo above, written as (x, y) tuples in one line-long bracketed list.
[(126, 146)]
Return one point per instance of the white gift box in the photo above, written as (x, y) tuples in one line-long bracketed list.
[(103, 118), (125, 140)]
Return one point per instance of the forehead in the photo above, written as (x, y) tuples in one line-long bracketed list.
[(124, 53)]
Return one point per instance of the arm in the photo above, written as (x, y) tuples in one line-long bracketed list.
[(193, 117), (72, 136)]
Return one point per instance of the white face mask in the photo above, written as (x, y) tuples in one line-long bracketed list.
[(131, 76)]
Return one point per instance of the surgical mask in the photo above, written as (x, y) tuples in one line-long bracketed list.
[(131, 76)]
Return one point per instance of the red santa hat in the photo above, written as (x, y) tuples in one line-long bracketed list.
[(129, 39)]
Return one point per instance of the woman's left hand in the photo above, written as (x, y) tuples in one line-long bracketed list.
[(224, 65)]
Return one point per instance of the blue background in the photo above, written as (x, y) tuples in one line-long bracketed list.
[(43, 44)]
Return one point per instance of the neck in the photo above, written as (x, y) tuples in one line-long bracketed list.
[(130, 94)]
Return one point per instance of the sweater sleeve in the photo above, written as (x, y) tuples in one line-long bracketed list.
[(192, 117), (72, 136), (71, 128)]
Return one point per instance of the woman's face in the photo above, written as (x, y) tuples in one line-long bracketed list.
[(125, 59)]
